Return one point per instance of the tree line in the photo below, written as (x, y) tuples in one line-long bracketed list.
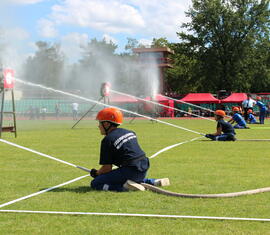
[(224, 46)]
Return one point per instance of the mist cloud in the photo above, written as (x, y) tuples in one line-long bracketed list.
[(12, 43), (71, 45)]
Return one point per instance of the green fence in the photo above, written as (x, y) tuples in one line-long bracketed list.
[(26, 105)]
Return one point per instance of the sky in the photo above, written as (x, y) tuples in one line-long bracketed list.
[(74, 22)]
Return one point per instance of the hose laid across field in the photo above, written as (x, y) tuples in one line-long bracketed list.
[(221, 195)]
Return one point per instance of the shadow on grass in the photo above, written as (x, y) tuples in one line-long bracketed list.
[(81, 189), (208, 140)]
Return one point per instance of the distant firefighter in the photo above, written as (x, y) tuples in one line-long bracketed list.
[(225, 131), (251, 117), (237, 117), (262, 108)]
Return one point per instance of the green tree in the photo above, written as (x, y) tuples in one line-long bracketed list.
[(96, 48), (46, 66), (160, 42), (260, 67), (181, 78), (97, 65), (225, 37), (131, 44)]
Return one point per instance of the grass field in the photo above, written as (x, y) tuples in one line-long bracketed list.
[(200, 166)]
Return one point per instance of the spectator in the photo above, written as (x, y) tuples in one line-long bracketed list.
[(248, 104), (43, 112), (57, 110), (75, 108), (37, 112), (262, 108), (31, 113), (268, 110)]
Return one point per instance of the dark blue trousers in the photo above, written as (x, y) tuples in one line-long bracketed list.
[(262, 115), (114, 180), (222, 137)]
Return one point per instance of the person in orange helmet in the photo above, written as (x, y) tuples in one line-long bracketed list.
[(237, 117), (120, 147), (262, 108), (225, 131), (251, 117)]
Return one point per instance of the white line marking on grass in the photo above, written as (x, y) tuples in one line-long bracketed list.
[(122, 214), (39, 153), (172, 146), (42, 191), (57, 186), (138, 215)]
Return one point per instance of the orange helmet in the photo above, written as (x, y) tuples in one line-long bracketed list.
[(220, 113), (250, 111), (235, 109), (258, 98), (110, 114)]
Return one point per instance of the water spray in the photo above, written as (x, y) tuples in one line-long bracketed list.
[(104, 95), (106, 105), (162, 105)]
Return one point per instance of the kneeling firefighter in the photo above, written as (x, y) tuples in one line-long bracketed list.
[(120, 147), (224, 130)]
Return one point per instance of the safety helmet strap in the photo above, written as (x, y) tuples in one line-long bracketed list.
[(106, 129)]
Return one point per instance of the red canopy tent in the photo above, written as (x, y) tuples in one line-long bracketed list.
[(200, 98), (235, 98), (166, 112)]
